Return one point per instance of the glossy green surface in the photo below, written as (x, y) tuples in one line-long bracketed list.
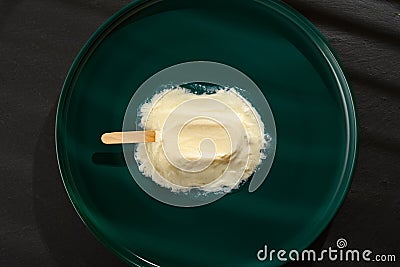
[(308, 94)]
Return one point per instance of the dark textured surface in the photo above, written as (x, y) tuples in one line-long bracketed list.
[(39, 40)]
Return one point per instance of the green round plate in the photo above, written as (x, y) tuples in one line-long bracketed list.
[(292, 64)]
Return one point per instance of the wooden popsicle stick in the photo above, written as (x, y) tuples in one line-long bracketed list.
[(128, 137)]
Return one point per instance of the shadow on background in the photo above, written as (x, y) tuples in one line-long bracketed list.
[(388, 87), (68, 240), (345, 22), (6, 8)]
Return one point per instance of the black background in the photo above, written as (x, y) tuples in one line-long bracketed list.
[(38, 42)]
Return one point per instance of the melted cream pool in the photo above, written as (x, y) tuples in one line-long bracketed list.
[(212, 142)]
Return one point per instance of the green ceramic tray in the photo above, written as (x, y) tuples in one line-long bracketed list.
[(305, 87)]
